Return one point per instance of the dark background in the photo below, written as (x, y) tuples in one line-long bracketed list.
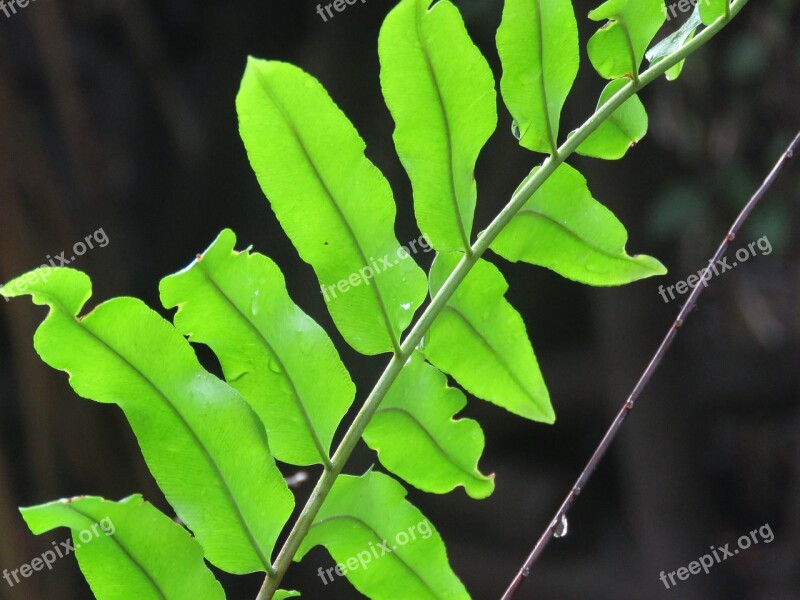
[(119, 114)]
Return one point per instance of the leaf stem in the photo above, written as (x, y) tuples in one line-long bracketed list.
[(519, 198), (644, 379)]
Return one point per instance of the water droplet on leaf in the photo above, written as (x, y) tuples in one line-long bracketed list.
[(515, 129), (275, 366)]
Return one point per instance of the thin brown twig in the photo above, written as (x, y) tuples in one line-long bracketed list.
[(654, 363)]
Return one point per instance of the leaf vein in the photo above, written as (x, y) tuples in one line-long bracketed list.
[(432, 439), (380, 540), (125, 551), (363, 257), (205, 452), (499, 357), (448, 132), (295, 393)]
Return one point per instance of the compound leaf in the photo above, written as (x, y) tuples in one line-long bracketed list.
[(711, 10), (538, 45), (440, 91), (276, 356), (333, 203), (384, 545), (128, 549), (480, 340), (205, 446), (617, 48), (416, 437), (621, 131), (564, 229), (674, 42)]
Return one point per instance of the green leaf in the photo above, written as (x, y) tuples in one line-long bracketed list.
[(621, 131), (617, 48), (440, 91), (128, 549), (416, 437), (206, 448), (334, 204), (283, 595), (674, 42), (711, 10), (276, 356), (539, 50), (564, 229), (384, 545), (480, 341)]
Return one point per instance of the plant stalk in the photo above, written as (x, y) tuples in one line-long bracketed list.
[(532, 183)]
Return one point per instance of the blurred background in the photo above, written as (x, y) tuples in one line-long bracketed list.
[(119, 115)]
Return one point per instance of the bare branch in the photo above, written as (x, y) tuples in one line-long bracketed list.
[(558, 521)]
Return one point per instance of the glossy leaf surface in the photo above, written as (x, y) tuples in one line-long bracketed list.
[(385, 546), (480, 340), (441, 93), (621, 131), (711, 10), (563, 228), (417, 438), (538, 46), (333, 203), (205, 446), (275, 355), (617, 49), (128, 549)]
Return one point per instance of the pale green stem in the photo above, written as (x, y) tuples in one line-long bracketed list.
[(520, 197)]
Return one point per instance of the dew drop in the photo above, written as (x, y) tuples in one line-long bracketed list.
[(526, 571), (515, 129), (275, 366), (562, 528), (406, 306)]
